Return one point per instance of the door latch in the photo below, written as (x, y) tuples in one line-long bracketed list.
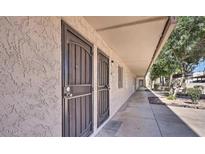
[(67, 92)]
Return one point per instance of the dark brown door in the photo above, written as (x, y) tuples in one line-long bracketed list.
[(103, 87), (77, 84)]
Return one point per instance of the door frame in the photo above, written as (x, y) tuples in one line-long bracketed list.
[(141, 80), (104, 54), (76, 33)]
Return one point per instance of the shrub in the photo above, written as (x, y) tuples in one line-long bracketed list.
[(171, 97), (195, 93), (200, 87)]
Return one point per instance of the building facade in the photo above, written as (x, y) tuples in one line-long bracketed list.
[(35, 76)]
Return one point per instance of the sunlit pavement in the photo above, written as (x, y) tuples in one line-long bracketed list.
[(138, 118)]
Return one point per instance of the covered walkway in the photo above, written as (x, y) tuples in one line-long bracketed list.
[(139, 118)]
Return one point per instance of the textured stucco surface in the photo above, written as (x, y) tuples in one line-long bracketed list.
[(30, 74), (30, 90)]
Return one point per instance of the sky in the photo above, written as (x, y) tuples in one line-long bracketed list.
[(200, 67)]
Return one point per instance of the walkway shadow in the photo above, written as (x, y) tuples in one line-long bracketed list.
[(170, 124)]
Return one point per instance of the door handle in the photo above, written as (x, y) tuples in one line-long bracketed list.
[(107, 86), (67, 92), (68, 95)]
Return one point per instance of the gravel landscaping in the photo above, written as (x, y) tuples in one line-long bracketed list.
[(160, 98)]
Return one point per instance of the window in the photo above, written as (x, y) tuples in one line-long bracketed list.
[(120, 77)]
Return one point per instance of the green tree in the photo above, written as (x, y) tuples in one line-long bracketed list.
[(187, 44), (165, 65), (183, 50)]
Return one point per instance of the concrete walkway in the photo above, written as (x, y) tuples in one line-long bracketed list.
[(138, 118)]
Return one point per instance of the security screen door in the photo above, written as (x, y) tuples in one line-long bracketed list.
[(77, 84), (103, 88)]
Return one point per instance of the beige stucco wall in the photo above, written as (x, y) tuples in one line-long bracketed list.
[(30, 90), (148, 80), (30, 74)]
